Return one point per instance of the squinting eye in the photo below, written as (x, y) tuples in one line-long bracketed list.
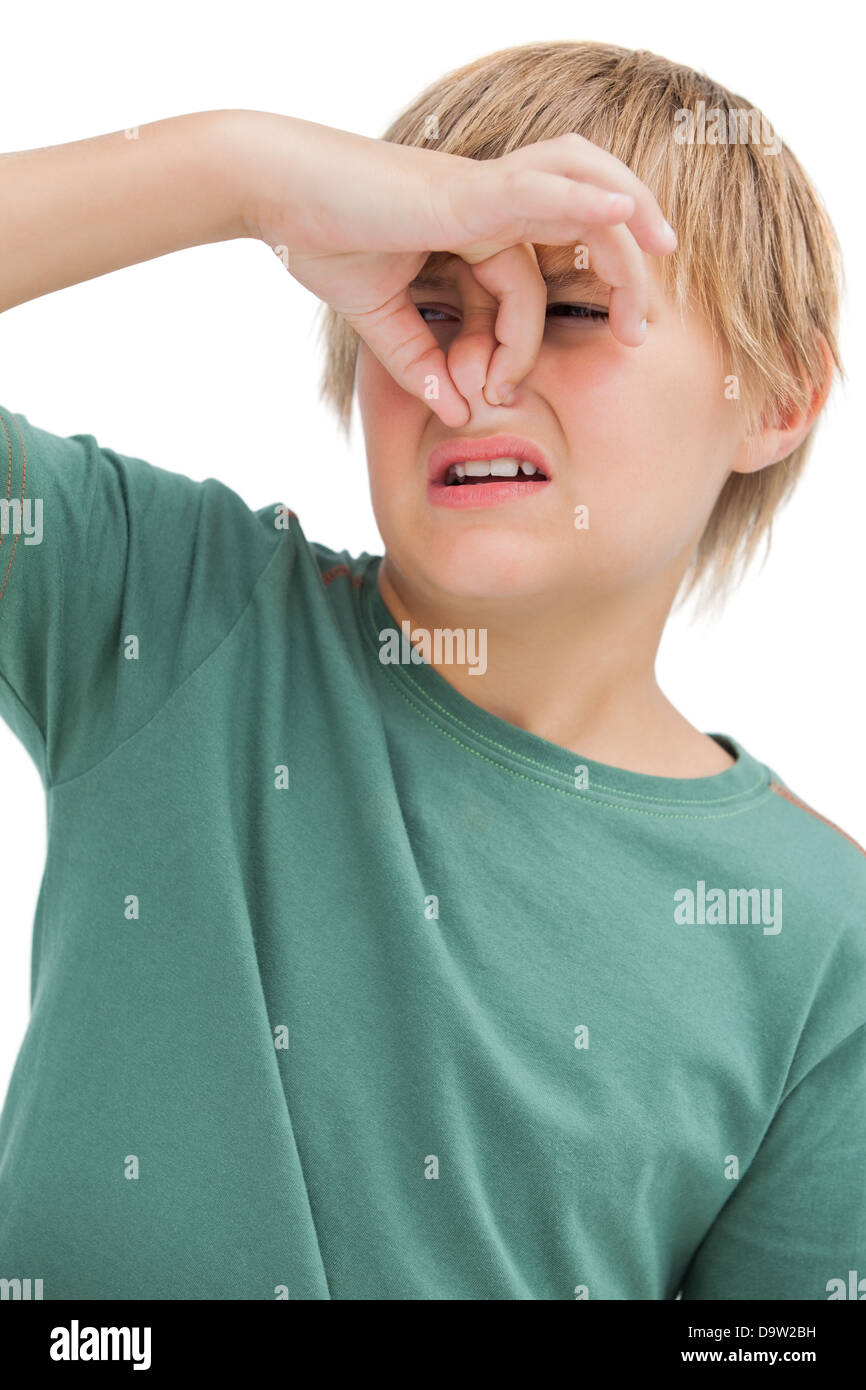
[(579, 311), (441, 314)]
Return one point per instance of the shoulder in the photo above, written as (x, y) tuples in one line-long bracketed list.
[(830, 835), (822, 869), (336, 573), (824, 852)]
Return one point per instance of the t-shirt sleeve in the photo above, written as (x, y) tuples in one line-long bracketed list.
[(117, 579), (795, 1225)]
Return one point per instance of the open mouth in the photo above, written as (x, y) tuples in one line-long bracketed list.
[(497, 470), (476, 472)]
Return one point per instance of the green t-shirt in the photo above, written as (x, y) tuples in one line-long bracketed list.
[(344, 988)]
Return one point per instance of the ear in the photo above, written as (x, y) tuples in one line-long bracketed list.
[(775, 441)]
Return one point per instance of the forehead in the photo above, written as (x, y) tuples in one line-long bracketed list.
[(556, 264)]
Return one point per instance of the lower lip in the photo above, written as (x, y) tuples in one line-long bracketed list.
[(465, 495)]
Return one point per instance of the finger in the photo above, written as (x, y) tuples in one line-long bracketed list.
[(528, 206), (514, 279), (397, 335), (557, 212), (575, 157), (616, 258)]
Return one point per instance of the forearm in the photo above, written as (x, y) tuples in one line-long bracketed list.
[(72, 212)]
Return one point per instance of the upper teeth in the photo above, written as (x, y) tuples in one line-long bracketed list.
[(492, 468)]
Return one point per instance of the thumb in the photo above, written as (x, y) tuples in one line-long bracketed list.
[(399, 338)]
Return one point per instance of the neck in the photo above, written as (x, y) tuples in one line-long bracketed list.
[(577, 671)]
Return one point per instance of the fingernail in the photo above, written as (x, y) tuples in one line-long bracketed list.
[(506, 393), (642, 327), (672, 236)]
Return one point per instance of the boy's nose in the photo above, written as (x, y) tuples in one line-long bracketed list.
[(470, 352), (472, 348)]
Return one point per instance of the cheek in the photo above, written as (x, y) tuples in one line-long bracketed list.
[(379, 396), (650, 441), (393, 423), (650, 423), (386, 409)]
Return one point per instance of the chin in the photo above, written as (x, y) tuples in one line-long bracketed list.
[(482, 565)]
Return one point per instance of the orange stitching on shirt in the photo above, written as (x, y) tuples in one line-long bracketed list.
[(789, 796), (9, 493), (337, 570)]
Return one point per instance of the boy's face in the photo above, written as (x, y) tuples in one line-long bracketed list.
[(642, 438)]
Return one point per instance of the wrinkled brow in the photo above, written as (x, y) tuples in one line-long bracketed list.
[(584, 280)]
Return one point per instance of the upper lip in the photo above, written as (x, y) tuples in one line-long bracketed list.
[(492, 446)]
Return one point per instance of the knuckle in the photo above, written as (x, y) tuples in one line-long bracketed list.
[(511, 181)]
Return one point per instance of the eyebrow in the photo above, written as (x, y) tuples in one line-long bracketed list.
[(554, 280)]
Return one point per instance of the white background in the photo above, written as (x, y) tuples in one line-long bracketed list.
[(207, 361)]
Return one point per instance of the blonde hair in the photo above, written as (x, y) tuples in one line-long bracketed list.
[(757, 254)]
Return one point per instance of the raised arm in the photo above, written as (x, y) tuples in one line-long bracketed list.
[(353, 218), (72, 212)]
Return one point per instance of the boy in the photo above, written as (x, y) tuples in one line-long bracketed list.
[(398, 938)]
